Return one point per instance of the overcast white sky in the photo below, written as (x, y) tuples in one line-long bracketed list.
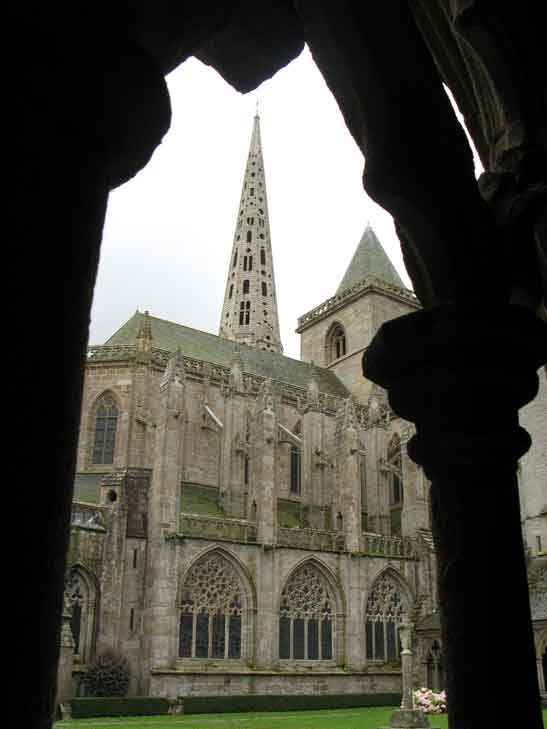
[(169, 231)]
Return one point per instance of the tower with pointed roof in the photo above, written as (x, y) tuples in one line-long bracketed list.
[(336, 332), (249, 313)]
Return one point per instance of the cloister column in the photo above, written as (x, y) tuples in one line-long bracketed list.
[(86, 110), (461, 375), (462, 368)]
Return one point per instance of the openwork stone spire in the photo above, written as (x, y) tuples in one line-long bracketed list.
[(249, 313)]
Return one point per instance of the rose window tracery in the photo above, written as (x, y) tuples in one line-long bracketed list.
[(211, 611), (305, 617)]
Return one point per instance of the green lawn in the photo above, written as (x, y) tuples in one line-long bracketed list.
[(370, 718)]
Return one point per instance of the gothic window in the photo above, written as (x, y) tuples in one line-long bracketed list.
[(211, 618), (242, 312), (250, 221), (252, 191), (247, 312), (383, 615), (336, 343), (396, 494), (249, 235), (245, 261), (81, 597), (250, 263), (305, 617), (262, 257), (235, 259), (231, 291), (295, 471), (264, 289), (246, 286), (106, 422)]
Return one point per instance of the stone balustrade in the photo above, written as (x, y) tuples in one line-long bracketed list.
[(340, 299), (212, 527), (315, 539), (381, 545)]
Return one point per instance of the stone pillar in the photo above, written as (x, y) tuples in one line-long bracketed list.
[(461, 374), (407, 717), (348, 478), (376, 482), (65, 689), (266, 427), (312, 445), (160, 614), (541, 677), (415, 513), (234, 443)]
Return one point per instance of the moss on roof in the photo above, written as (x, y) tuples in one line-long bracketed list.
[(87, 487), (199, 499), (200, 345)]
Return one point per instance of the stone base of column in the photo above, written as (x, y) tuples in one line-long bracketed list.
[(408, 719)]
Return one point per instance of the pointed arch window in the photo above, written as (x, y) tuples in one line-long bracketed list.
[(106, 423), (264, 288), (212, 611), (295, 483), (262, 257), (336, 345), (249, 235), (235, 260), (231, 291), (306, 618), (383, 615), (246, 286)]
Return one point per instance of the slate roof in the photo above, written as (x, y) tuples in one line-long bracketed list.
[(168, 335), (370, 259)]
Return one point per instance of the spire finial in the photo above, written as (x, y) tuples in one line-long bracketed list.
[(257, 104)]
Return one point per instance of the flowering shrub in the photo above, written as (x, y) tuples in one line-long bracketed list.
[(431, 702)]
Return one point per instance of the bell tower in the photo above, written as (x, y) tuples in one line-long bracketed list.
[(249, 313)]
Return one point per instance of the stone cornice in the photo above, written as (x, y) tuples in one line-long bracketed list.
[(367, 285), (219, 375)]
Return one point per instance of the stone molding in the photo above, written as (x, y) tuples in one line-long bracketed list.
[(367, 285)]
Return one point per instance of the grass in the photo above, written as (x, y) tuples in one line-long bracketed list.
[(369, 718)]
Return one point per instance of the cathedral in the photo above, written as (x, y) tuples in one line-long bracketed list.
[(244, 522)]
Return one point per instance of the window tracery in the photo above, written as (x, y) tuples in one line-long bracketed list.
[(305, 617), (211, 611), (383, 615), (106, 423)]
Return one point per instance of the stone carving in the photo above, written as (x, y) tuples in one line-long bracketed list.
[(384, 603), (175, 371), (212, 584), (306, 595)]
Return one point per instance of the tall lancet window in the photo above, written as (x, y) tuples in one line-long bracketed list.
[(212, 611), (306, 617), (106, 423), (383, 615)]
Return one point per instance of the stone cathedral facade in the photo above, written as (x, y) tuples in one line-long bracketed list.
[(244, 522)]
